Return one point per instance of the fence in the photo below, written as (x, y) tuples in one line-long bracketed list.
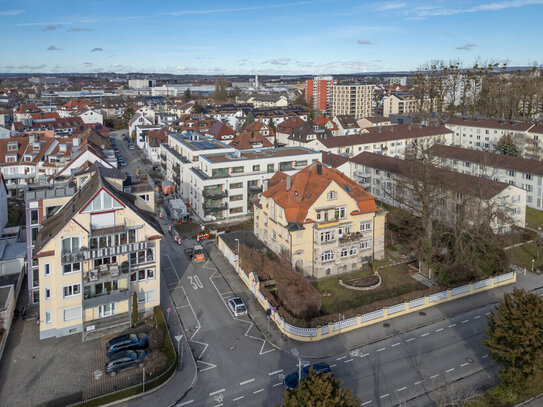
[(336, 328)]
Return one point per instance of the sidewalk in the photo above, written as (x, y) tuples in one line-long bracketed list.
[(353, 339)]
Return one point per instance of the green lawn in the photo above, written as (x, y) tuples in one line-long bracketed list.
[(534, 218), (395, 281), (522, 256)]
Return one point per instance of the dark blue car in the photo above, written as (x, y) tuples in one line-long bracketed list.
[(291, 381), (124, 360), (126, 342)]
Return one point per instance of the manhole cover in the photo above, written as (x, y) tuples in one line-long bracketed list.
[(232, 347), (386, 324), (422, 313)]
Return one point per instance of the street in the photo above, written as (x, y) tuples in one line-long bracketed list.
[(237, 366)]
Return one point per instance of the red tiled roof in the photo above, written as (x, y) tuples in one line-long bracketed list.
[(220, 129), (259, 126), (247, 140), (307, 186), (78, 104)]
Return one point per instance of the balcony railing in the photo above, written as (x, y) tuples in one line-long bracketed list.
[(107, 272), (215, 194), (255, 189), (86, 254), (351, 237), (112, 296), (215, 207)]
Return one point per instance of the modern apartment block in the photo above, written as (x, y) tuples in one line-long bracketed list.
[(355, 100), (484, 134), (318, 92), (224, 185), (97, 250), (322, 220), (455, 194), (402, 103), (524, 173)]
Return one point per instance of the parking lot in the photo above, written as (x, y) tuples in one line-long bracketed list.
[(55, 371)]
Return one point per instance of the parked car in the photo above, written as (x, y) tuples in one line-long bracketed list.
[(237, 306), (124, 360), (291, 381), (123, 163), (126, 342), (120, 157), (131, 147)]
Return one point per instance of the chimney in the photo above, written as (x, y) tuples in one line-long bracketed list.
[(319, 168), (288, 183)]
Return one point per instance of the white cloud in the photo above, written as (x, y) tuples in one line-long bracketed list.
[(51, 27), (236, 9), (11, 12), (467, 47), (429, 11), (78, 29), (278, 61), (389, 6)]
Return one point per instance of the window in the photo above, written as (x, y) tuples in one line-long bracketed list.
[(256, 167), (47, 293), (236, 197), (47, 269), (72, 313), (328, 255), (365, 225), (34, 217), (35, 278), (142, 275), (344, 252), (34, 235), (341, 212), (72, 290), (344, 230), (71, 268), (145, 197), (142, 256), (327, 236), (467, 164), (353, 251), (35, 297), (528, 177), (48, 317), (301, 163), (331, 196), (106, 310), (365, 244), (529, 188), (236, 185), (70, 245), (102, 201), (237, 169), (132, 236), (237, 209), (511, 173), (146, 296)]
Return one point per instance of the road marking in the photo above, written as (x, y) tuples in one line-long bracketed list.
[(485, 356), (182, 306), (477, 317), (364, 355), (258, 391), (185, 403), (488, 313), (238, 398), (226, 293), (218, 405), (465, 320), (384, 395), (419, 382), (395, 344), (334, 365), (277, 371), (365, 403), (402, 389), (380, 350), (349, 360), (277, 384), (464, 364), (450, 370), (426, 334), (410, 339), (341, 358), (247, 381), (175, 271), (217, 392), (439, 330), (434, 376)]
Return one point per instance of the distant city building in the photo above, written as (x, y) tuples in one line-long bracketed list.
[(398, 80), (318, 92), (141, 83), (355, 100)]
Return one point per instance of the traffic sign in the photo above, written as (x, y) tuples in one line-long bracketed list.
[(235, 258)]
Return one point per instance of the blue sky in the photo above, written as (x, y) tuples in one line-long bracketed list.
[(266, 37)]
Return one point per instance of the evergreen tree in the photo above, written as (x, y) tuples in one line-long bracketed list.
[(134, 309), (322, 390), (507, 146), (188, 94), (515, 339), (248, 120)]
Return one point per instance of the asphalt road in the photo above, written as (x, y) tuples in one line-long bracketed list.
[(133, 158), (237, 367)]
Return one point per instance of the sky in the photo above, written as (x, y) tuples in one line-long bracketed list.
[(264, 36)]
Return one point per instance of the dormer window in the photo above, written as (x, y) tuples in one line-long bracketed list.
[(28, 158), (36, 147), (13, 146), (11, 158)]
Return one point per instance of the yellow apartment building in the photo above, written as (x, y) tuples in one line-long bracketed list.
[(93, 254), (324, 221)]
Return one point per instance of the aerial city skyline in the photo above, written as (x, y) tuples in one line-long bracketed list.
[(288, 37)]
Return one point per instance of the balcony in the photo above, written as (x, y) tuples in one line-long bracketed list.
[(86, 254), (112, 296), (351, 237), (218, 194), (107, 272), (209, 207), (255, 189)]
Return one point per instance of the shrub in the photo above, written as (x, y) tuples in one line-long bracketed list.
[(156, 338), (156, 362), (134, 309)]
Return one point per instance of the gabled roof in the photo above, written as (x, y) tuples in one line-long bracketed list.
[(489, 159), (323, 121), (377, 119), (220, 129), (347, 121), (289, 124), (306, 129), (464, 184), (78, 104), (259, 126), (156, 137), (333, 160), (250, 139), (490, 123), (307, 186), (53, 225)]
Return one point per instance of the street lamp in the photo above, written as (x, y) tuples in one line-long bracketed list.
[(296, 353)]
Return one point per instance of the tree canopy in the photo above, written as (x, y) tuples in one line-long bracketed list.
[(507, 146), (322, 390), (220, 88), (515, 339)]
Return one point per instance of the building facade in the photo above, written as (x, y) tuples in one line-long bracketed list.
[(322, 220), (355, 100), (318, 92)]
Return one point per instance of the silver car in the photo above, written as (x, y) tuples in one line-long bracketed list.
[(237, 306)]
